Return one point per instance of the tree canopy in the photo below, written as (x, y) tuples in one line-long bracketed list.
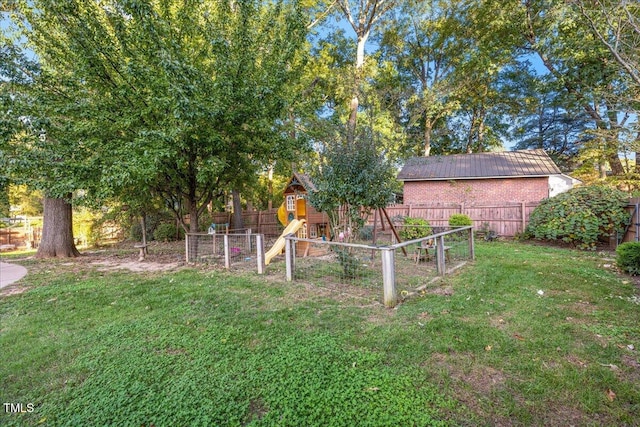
[(184, 101), (180, 98)]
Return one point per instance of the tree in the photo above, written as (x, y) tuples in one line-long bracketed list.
[(572, 55), (362, 17), (616, 24), (29, 154), (620, 32), (351, 180), (420, 43), (180, 98)]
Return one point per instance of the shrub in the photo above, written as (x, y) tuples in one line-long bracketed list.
[(414, 228), (350, 264), (628, 257), (459, 220), (366, 233), (165, 232), (581, 216)]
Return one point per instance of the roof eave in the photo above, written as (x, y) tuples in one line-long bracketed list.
[(475, 177)]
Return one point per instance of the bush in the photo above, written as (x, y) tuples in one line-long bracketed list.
[(366, 233), (581, 216), (415, 228), (166, 232), (350, 264), (459, 220), (628, 257)]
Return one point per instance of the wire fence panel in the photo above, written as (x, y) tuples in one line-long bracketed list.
[(402, 268), (204, 248), (227, 250), (337, 264), (420, 267)]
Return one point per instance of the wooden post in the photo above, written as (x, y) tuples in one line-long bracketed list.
[(260, 252), (389, 278), (186, 248), (472, 250), (524, 219), (227, 252), (393, 229), (409, 210), (288, 256), (440, 263)]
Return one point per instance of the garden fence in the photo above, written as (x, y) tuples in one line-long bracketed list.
[(226, 249), (406, 267)]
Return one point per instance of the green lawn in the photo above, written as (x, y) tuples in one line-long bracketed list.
[(526, 335)]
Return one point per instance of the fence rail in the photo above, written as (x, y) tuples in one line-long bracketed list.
[(381, 265)]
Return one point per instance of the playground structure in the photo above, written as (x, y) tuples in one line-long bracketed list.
[(278, 246), (298, 216)]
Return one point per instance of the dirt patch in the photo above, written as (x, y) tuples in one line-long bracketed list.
[(136, 266), (14, 289)]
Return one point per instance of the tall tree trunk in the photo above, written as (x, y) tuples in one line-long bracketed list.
[(57, 230), (236, 220), (194, 223), (357, 80), (428, 127), (270, 188)]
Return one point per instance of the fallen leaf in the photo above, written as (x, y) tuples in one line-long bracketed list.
[(518, 337), (611, 395), (488, 348)]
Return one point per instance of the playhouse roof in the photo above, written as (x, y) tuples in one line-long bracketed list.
[(301, 179), (506, 164)]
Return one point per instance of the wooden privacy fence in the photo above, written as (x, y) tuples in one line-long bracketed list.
[(263, 222), (505, 219), (632, 232)]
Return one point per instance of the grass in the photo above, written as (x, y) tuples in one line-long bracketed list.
[(207, 348)]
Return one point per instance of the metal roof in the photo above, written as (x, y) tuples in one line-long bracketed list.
[(506, 164)]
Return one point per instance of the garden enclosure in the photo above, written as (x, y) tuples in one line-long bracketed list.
[(396, 268)]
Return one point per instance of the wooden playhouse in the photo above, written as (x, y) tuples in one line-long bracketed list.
[(296, 206)]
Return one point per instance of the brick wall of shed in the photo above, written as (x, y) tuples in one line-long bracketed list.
[(477, 191)]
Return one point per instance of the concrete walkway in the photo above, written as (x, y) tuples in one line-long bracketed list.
[(10, 273)]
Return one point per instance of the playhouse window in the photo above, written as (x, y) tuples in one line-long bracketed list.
[(302, 233), (313, 232), (291, 203)]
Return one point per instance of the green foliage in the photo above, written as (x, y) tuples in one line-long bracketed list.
[(167, 232), (350, 264), (366, 233), (460, 220), (415, 228), (628, 257), (352, 177), (87, 226), (181, 100), (581, 216)]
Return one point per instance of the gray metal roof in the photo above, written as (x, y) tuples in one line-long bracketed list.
[(506, 164)]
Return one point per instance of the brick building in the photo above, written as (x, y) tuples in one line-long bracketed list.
[(503, 177)]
